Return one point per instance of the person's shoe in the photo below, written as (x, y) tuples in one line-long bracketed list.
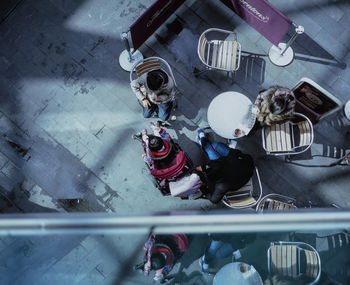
[(164, 124), (200, 135), (137, 136), (204, 266)]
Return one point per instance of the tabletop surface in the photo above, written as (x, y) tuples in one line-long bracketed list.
[(230, 111), (233, 271), (347, 110)]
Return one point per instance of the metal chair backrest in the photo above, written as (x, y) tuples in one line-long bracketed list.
[(284, 259), (243, 197), (148, 64), (221, 54), (280, 139), (202, 44), (304, 133), (275, 202)]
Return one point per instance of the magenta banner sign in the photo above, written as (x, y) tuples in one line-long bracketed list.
[(152, 19), (263, 17)]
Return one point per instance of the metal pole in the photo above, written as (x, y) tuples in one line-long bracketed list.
[(298, 31), (190, 222), (129, 56), (124, 37)]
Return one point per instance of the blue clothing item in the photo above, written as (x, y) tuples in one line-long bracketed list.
[(217, 249), (163, 110), (214, 150), (200, 134)]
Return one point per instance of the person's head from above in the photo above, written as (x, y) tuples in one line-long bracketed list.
[(158, 261), (155, 143), (280, 100), (156, 78)]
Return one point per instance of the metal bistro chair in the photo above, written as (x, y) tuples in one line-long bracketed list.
[(219, 50), (276, 202), (296, 260), (153, 63), (244, 197), (288, 138)]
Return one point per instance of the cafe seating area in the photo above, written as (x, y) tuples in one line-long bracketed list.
[(68, 115)]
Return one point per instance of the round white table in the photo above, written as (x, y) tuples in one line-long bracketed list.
[(230, 111), (237, 273)]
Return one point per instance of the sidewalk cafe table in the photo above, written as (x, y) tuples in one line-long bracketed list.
[(237, 273), (230, 115)]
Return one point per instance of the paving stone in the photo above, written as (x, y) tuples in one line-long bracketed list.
[(325, 20), (109, 250), (39, 197), (65, 97), (338, 86), (6, 184), (11, 132), (333, 11), (36, 256), (9, 207), (77, 271), (12, 172), (3, 160), (329, 43), (62, 129), (71, 260), (94, 277)]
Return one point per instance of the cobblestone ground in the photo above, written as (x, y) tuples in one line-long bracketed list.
[(67, 114)]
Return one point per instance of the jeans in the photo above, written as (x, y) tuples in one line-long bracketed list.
[(163, 110), (214, 150), (217, 249)]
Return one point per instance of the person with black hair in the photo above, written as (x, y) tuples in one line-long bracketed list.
[(158, 146), (155, 91), (275, 105), (228, 169), (162, 252)]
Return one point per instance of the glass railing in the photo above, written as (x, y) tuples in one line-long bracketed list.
[(297, 247)]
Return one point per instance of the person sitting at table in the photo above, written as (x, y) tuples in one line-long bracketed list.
[(155, 91), (222, 246), (275, 105), (228, 169)]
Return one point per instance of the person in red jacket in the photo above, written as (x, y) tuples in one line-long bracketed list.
[(162, 252)]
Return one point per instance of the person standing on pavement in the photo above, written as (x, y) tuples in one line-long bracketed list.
[(155, 92)]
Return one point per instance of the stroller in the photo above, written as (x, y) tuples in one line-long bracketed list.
[(171, 170)]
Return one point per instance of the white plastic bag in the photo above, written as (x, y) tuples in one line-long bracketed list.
[(185, 186)]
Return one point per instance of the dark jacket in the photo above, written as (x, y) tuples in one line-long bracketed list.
[(227, 173)]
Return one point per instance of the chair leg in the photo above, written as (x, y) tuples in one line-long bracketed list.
[(232, 73), (198, 72), (175, 105)]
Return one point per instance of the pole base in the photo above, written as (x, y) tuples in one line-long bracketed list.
[(281, 60), (127, 63), (347, 110)]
